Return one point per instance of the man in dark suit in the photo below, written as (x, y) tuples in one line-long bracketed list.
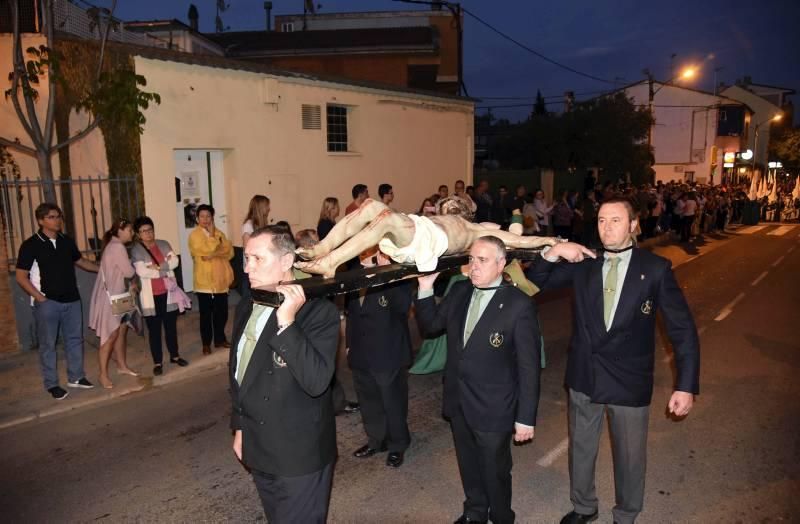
[(611, 359), (379, 351), (491, 381), (281, 364)]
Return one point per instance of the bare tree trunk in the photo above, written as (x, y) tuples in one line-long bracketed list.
[(45, 162)]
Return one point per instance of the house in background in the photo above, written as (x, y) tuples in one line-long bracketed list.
[(692, 131)]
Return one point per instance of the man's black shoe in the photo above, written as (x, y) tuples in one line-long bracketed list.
[(366, 451), (158, 370), (394, 459), (577, 518), (58, 393), (463, 519), (178, 360), (352, 407)]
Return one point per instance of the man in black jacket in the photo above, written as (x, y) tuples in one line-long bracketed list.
[(611, 358), (281, 364), (491, 382), (379, 351)]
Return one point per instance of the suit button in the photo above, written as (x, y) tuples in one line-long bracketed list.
[(269, 372), (260, 422), (266, 398)]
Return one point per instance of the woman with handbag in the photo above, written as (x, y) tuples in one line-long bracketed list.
[(112, 301), (213, 275), (159, 296)]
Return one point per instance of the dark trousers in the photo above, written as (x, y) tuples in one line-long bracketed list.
[(628, 426), (686, 228), (292, 500), (213, 317), (383, 396), (484, 461), (168, 320)]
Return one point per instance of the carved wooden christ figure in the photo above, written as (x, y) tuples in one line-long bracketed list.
[(407, 239)]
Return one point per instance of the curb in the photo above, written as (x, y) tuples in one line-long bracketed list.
[(205, 366)]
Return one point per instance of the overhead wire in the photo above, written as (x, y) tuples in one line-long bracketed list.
[(533, 51)]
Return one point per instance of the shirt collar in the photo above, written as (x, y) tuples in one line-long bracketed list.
[(624, 257)]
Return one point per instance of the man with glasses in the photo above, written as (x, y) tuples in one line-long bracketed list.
[(45, 271)]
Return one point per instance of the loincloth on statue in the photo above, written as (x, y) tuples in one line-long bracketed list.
[(428, 244)]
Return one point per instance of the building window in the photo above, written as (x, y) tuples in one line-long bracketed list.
[(337, 128), (287, 27)]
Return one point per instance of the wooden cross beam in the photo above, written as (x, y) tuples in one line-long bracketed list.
[(355, 279)]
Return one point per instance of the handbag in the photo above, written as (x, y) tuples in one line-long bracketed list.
[(121, 303)]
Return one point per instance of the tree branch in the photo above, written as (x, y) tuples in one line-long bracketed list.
[(18, 62), (18, 147), (105, 39), (49, 20), (91, 127)]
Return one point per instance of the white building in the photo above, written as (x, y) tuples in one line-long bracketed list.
[(687, 139)]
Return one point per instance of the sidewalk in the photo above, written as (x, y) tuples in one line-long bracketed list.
[(23, 398)]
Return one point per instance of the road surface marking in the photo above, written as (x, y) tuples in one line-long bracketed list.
[(727, 310), (553, 454), (782, 230), (750, 230), (685, 261), (780, 259), (759, 279), (702, 330), (790, 250)]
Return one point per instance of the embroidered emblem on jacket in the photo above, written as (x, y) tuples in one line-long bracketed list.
[(647, 307), (496, 339), (278, 360), (382, 301)]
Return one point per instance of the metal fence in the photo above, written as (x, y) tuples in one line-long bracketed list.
[(90, 206)]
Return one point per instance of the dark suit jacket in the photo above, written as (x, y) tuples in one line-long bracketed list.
[(377, 331), (283, 406), (616, 366), (493, 386)]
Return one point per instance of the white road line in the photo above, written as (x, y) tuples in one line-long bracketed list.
[(552, 455), (780, 259), (702, 330), (722, 315), (759, 279), (750, 230), (790, 250), (728, 309), (780, 231)]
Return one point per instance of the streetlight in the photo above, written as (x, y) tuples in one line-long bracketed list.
[(775, 118)]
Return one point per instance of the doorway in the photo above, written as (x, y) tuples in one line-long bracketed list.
[(199, 179)]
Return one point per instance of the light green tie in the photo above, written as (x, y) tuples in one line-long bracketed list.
[(251, 339), (610, 290), (473, 314)]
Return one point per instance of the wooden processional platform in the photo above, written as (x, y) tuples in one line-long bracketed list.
[(347, 281)]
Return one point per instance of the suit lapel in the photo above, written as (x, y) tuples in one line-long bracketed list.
[(595, 287), (463, 315), (630, 290), (261, 354), (238, 331), (493, 308)]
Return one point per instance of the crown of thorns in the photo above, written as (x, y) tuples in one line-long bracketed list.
[(454, 205)]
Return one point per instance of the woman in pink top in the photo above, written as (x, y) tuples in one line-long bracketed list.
[(115, 267)]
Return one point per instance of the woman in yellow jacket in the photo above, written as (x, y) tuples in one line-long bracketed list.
[(213, 275)]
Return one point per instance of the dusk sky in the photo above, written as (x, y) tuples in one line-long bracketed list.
[(610, 39)]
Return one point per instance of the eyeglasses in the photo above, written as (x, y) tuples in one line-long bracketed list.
[(53, 217), (146, 230)]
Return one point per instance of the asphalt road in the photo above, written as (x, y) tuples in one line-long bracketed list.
[(164, 455)]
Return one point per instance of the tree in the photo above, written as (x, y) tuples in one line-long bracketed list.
[(113, 92), (539, 107), (786, 148), (608, 132)]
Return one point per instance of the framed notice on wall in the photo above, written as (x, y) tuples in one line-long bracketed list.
[(190, 180)]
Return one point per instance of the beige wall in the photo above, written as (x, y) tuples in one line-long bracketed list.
[(415, 144)]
